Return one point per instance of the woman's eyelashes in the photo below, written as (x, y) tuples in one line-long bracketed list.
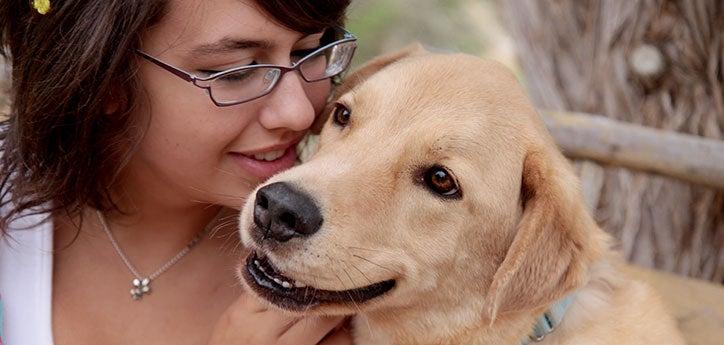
[(217, 70)]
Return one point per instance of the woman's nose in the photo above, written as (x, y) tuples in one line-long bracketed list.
[(288, 105)]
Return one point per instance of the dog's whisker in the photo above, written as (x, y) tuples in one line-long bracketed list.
[(314, 294), (224, 223), (362, 273), (234, 215), (210, 206), (232, 242), (350, 264), (239, 278), (362, 248), (376, 264), (354, 285), (214, 231), (351, 299), (231, 236), (228, 196), (228, 221), (369, 249), (246, 180), (217, 227), (367, 321), (230, 247)]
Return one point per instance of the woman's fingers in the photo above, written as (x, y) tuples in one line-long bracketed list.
[(250, 322), (247, 321), (341, 336), (310, 330)]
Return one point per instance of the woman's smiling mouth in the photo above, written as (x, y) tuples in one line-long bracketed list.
[(264, 163)]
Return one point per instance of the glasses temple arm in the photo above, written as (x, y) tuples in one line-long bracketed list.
[(175, 70)]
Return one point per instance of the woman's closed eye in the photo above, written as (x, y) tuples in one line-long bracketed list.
[(244, 76), (296, 55), (208, 72)]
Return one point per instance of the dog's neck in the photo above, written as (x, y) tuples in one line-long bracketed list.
[(459, 326), (465, 324)]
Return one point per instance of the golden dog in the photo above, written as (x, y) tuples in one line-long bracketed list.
[(439, 211)]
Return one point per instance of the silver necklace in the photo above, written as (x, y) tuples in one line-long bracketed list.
[(142, 285)]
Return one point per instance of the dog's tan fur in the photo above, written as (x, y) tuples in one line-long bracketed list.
[(478, 270)]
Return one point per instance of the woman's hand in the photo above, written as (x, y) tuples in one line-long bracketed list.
[(248, 322)]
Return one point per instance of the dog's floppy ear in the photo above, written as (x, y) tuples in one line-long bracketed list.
[(556, 240), (361, 74)]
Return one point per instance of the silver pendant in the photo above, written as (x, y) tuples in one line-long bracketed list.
[(140, 287)]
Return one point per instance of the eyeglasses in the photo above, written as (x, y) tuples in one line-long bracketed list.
[(243, 84)]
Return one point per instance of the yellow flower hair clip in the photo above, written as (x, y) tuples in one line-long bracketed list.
[(42, 6)]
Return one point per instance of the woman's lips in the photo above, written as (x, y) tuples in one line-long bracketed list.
[(264, 169)]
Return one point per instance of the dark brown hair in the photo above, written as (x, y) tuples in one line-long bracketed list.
[(59, 149)]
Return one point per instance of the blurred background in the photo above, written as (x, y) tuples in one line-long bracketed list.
[(470, 26)]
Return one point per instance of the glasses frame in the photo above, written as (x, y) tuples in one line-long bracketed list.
[(205, 82)]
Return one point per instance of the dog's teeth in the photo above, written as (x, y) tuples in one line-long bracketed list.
[(278, 281), (286, 285), (258, 265)]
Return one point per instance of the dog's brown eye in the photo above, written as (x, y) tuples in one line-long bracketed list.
[(440, 181), (341, 115)]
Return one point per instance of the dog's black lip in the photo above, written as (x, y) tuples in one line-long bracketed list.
[(304, 298)]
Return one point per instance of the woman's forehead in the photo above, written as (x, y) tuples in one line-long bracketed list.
[(209, 25)]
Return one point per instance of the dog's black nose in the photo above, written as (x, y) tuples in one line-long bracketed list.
[(282, 212)]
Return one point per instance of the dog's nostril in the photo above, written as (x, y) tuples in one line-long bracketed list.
[(282, 212), (289, 220), (261, 201)]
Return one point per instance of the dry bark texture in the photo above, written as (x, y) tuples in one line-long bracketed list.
[(648, 62)]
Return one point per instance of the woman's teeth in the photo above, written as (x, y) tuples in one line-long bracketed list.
[(269, 156)]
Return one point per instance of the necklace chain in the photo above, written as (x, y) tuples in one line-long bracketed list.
[(142, 284)]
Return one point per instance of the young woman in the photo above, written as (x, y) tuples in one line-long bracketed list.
[(133, 123)]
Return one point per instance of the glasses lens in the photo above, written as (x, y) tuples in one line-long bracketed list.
[(328, 62), (243, 85)]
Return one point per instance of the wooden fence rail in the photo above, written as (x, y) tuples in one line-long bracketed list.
[(686, 157)]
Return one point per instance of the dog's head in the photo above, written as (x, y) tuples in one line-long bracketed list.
[(435, 183)]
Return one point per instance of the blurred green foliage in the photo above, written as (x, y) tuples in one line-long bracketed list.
[(469, 26)]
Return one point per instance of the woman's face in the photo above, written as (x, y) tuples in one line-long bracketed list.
[(194, 151)]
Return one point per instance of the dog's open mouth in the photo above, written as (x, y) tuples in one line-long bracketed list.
[(289, 294)]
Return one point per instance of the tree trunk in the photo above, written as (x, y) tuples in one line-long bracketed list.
[(648, 62)]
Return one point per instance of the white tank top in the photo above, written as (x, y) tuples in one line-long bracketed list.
[(26, 278)]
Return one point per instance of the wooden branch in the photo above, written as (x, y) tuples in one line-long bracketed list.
[(686, 157)]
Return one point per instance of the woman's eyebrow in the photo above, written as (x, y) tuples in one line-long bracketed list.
[(229, 45)]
